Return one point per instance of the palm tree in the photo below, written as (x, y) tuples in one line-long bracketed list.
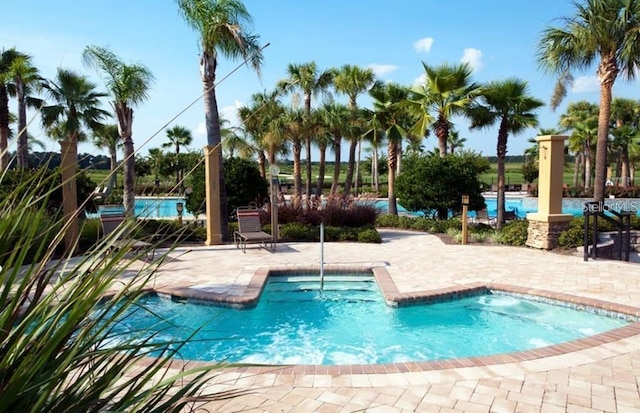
[(508, 104), (352, 81), (454, 141), (129, 86), (222, 27), (624, 113), (260, 120), (581, 118), (307, 79), (603, 32), (292, 126), (387, 118), (25, 76), (107, 136), (448, 91), (6, 59), (334, 118), (76, 105), (178, 136)]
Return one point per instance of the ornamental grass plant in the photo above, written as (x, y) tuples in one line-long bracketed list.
[(59, 350)]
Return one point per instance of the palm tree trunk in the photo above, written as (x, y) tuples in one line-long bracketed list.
[(392, 206), (208, 64), (576, 169), (261, 164), (604, 115), (23, 146), (336, 171), (297, 173), (587, 168), (350, 166), (357, 172), (69, 191), (113, 154), (374, 172), (624, 169), (125, 120), (307, 133), (321, 170), (4, 128), (501, 152)]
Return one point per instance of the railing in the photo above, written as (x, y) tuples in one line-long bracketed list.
[(620, 219)]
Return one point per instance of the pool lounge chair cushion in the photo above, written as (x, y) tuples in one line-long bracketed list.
[(250, 230), (482, 216)]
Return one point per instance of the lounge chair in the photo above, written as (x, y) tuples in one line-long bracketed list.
[(482, 217), (510, 216), (250, 230), (110, 222)]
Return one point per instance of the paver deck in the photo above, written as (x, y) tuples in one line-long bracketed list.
[(603, 377)]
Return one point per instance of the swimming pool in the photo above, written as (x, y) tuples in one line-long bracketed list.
[(348, 322)]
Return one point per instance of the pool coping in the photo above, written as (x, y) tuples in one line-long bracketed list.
[(249, 296)]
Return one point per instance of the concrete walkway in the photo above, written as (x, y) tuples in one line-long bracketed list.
[(601, 378)]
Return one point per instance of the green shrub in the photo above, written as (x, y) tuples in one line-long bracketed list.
[(572, 237), (89, 233), (387, 221), (405, 222), (296, 231), (514, 233), (369, 235), (422, 224)]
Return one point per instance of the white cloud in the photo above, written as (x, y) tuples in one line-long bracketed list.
[(423, 45), (473, 57), (420, 80), (586, 84), (230, 113), (201, 129), (381, 70)]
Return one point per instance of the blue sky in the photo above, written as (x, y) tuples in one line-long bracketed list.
[(498, 37)]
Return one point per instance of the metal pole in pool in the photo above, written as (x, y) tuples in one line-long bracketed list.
[(321, 256)]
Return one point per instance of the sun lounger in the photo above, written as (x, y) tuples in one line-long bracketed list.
[(510, 216), (482, 217), (250, 230), (110, 222)]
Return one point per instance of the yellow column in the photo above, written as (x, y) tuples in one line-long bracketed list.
[(212, 188), (546, 224), (550, 180), (69, 193)]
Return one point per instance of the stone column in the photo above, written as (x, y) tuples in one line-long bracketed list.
[(546, 225), (69, 193), (212, 188)]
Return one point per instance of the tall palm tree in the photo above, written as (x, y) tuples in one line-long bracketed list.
[(25, 77), (129, 86), (178, 136), (603, 32), (448, 91), (310, 81), (353, 81), (334, 118), (388, 116), (6, 59), (107, 136), (508, 104), (75, 106), (323, 139), (222, 28)]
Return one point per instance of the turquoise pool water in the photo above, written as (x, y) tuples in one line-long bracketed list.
[(349, 323), (523, 205)]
